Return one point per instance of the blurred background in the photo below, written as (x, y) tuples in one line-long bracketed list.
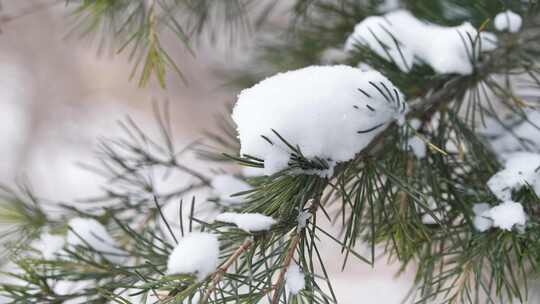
[(60, 94)]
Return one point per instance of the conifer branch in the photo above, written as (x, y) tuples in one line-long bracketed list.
[(216, 276), (380, 193)]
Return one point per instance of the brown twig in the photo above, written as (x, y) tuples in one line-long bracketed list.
[(403, 196), (218, 274), (286, 262)]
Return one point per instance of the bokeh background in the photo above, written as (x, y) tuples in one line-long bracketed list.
[(59, 95)]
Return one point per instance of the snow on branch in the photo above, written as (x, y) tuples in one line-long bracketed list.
[(294, 279), (504, 216), (403, 39), (508, 21), (520, 169), (330, 113), (196, 253), (249, 222)]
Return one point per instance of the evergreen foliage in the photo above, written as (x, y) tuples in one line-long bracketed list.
[(382, 196)]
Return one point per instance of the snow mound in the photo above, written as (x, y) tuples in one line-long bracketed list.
[(329, 112), (247, 221), (196, 253), (507, 214), (504, 216), (403, 39), (520, 169), (88, 232), (508, 21)]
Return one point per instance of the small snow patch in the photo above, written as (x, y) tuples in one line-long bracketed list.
[(504, 216), (507, 215), (196, 253), (417, 146), (302, 219), (247, 221), (520, 169), (294, 279), (508, 21)]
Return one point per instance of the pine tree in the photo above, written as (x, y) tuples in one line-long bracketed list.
[(411, 125)]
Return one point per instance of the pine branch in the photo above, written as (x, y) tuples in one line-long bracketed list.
[(381, 195), (216, 276)]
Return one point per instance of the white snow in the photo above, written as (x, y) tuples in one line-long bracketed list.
[(508, 21), (49, 245), (88, 232), (504, 216), (196, 253), (302, 219), (417, 146), (507, 215), (294, 279), (482, 222), (247, 221), (225, 185), (69, 287), (520, 169), (320, 109), (401, 38)]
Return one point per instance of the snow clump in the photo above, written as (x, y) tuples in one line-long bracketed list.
[(249, 222), (294, 279), (520, 169), (196, 253), (329, 112), (403, 39), (508, 21)]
